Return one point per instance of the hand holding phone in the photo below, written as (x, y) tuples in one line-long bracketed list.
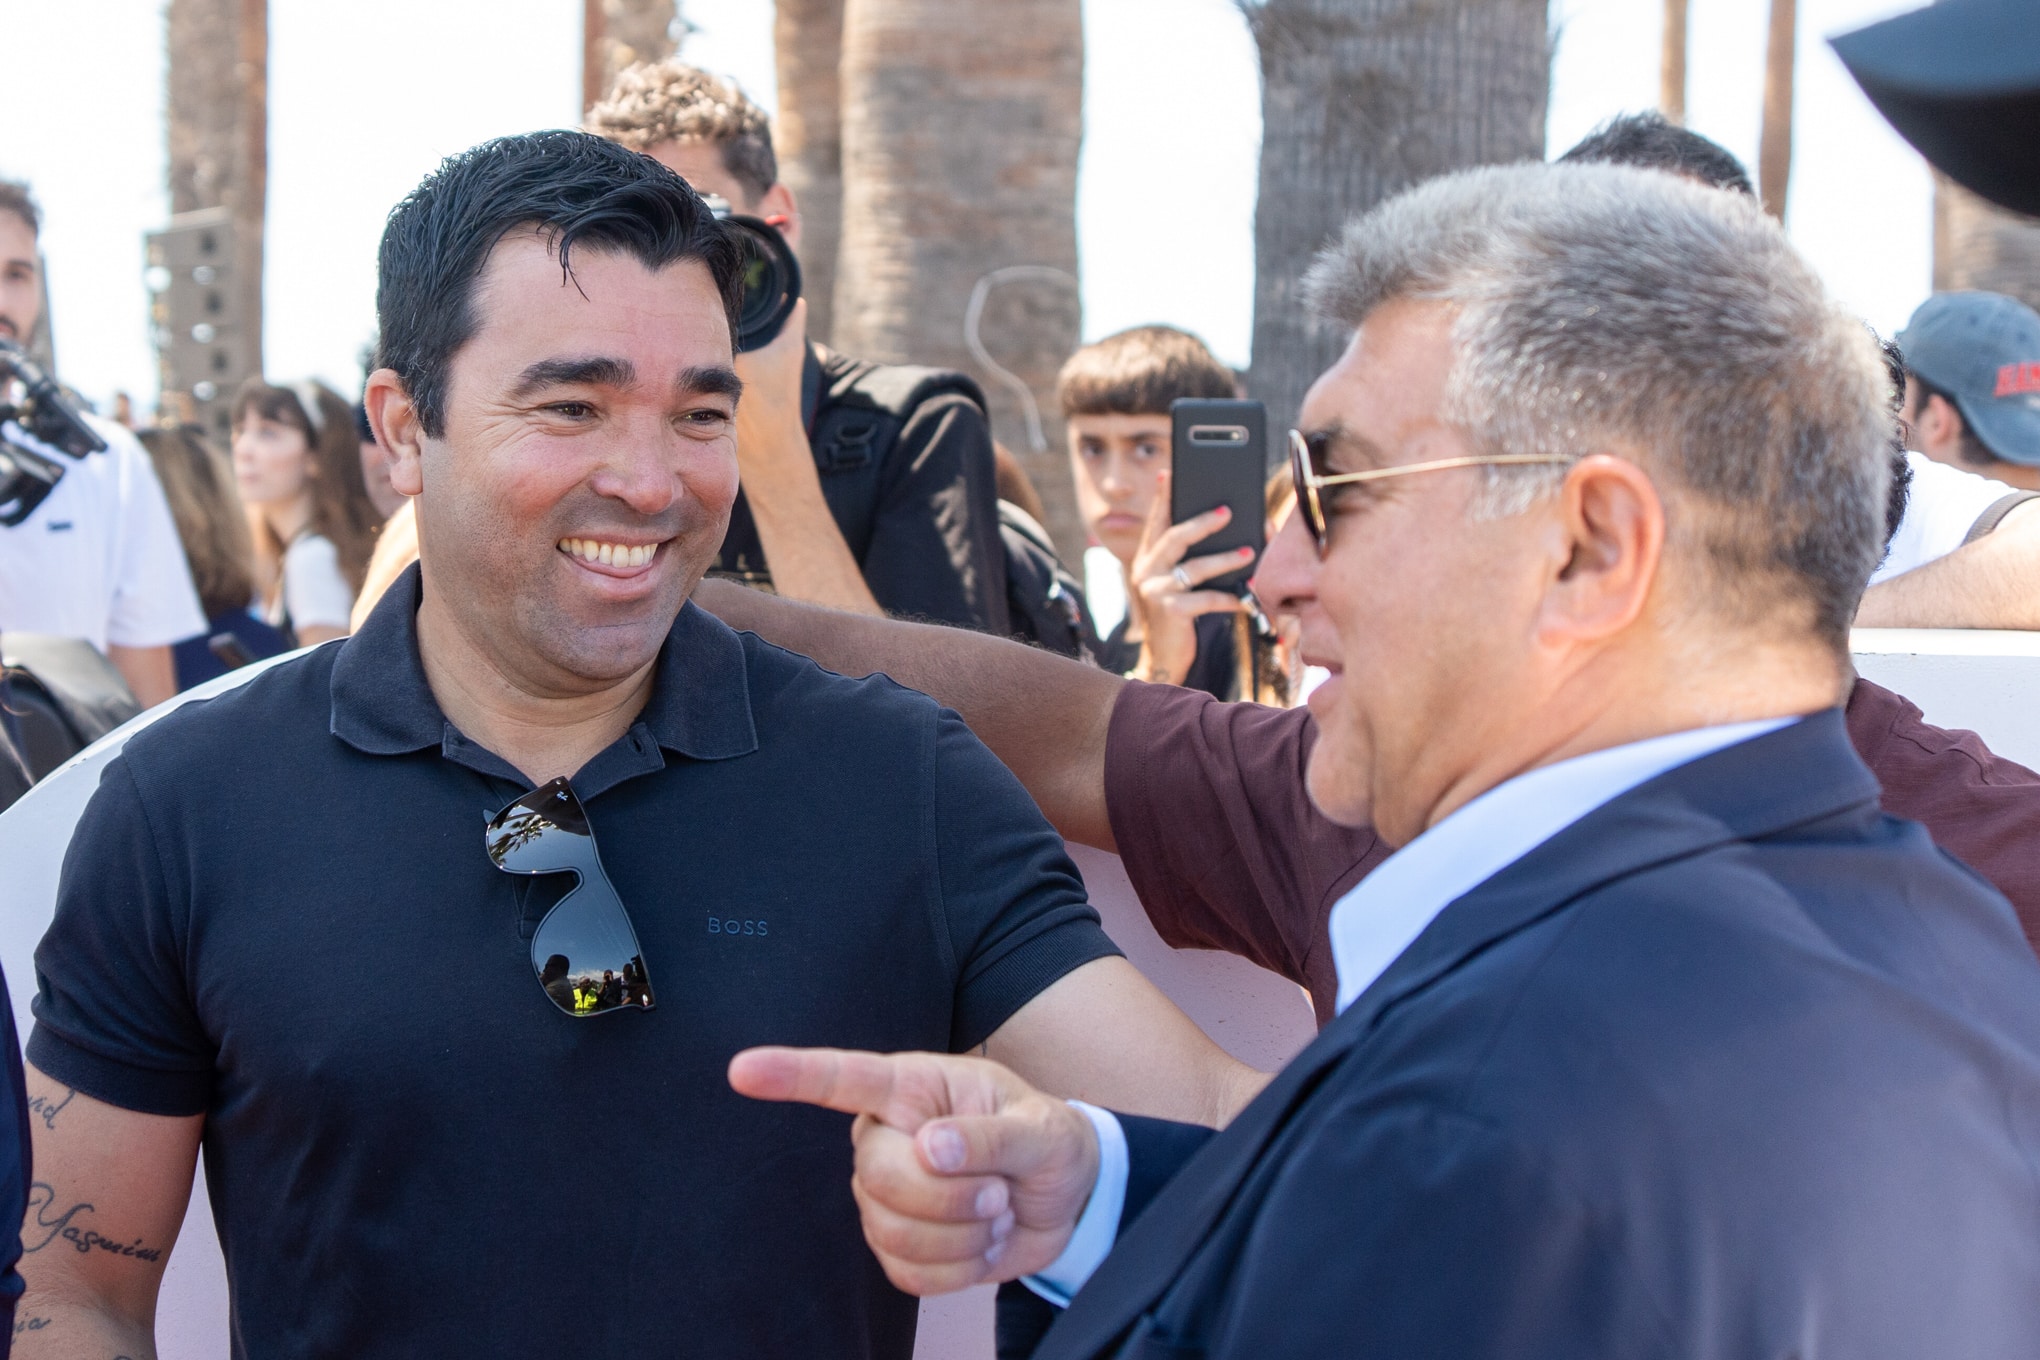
[(1168, 596)]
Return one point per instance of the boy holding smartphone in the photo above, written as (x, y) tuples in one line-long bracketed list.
[(1115, 396)]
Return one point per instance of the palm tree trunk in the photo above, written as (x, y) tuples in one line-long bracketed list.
[(1360, 99), (618, 33), (1672, 63), (1774, 151), (636, 30), (1979, 245), (808, 137), (594, 54), (961, 124)]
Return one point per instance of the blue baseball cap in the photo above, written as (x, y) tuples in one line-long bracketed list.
[(1983, 351)]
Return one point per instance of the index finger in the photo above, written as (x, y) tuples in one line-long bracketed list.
[(834, 1078)]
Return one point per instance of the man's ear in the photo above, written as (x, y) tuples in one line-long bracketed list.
[(1612, 526), (395, 422), (1940, 422), (779, 201)]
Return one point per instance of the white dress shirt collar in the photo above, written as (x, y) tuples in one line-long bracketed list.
[(1389, 908)]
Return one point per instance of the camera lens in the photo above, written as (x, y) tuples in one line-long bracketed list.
[(771, 277), (771, 282)]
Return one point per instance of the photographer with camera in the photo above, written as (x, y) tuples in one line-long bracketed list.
[(87, 546), (865, 487)]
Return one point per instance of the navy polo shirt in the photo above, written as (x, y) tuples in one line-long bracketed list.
[(278, 912)]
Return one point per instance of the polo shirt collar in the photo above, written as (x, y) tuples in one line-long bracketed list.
[(699, 707)]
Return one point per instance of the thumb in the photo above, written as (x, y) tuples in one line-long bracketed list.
[(1009, 1144)]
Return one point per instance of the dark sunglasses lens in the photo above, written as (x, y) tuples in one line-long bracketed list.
[(584, 952), (1307, 505)]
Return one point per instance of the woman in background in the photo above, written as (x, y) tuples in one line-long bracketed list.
[(297, 461), (198, 481)]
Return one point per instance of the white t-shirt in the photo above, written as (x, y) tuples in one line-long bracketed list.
[(315, 590), (99, 559), (1944, 504)]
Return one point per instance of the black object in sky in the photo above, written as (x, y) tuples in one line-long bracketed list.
[(1960, 80)]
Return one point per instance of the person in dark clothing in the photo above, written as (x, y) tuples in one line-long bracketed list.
[(557, 394), (17, 1171), (916, 535)]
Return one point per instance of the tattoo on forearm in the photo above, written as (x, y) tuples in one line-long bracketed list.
[(30, 1324), (44, 1226), (47, 1110)]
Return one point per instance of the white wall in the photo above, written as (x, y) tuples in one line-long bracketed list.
[(1987, 682)]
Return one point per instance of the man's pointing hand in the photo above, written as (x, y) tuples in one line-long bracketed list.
[(965, 1173)]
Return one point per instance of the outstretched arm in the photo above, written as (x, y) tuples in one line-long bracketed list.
[(1044, 715), (1993, 582), (803, 546), (1104, 1034)]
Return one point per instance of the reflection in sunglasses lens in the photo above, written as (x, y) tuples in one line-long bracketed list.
[(585, 951)]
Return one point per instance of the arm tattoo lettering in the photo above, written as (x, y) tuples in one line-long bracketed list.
[(52, 1227), (30, 1324), (47, 1110)]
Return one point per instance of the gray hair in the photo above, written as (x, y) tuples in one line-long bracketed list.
[(1601, 308)]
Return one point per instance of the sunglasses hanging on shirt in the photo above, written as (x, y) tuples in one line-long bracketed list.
[(585, 951)]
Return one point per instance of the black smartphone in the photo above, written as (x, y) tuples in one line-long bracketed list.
[(1218, 455), (229, 650)]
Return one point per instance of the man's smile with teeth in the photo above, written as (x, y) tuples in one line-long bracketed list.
[(609, 554)]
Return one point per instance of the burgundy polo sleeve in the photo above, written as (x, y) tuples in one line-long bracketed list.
[(1978, 806), (1219, 837)]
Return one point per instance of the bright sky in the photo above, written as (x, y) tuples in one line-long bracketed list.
[(366, 97)]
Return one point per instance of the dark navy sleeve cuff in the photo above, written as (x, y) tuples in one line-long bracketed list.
[(1156, 1150), (143, 1090)]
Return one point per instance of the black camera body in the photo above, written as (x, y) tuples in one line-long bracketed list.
[(26, 476), (771, 276)]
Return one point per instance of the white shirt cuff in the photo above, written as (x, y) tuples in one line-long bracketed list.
[(1098, 1226)]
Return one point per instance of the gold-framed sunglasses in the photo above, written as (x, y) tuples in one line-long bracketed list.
[(1307, 451)]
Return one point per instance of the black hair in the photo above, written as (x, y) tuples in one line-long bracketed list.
[(575, 189), (1653, 142), (16, 198), (1901, 467), (1970, 446)]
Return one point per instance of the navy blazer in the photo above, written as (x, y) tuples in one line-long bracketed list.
[(1734, 1066)]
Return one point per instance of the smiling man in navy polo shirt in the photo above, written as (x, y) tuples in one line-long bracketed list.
[(448, 1109)]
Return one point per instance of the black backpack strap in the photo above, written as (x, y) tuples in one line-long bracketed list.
[(62, 696), (1046, 601), (14, 776), (1994, 514), (862, 410)]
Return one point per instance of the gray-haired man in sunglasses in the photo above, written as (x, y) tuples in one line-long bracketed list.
[(1656, 1036), (438, 941)]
